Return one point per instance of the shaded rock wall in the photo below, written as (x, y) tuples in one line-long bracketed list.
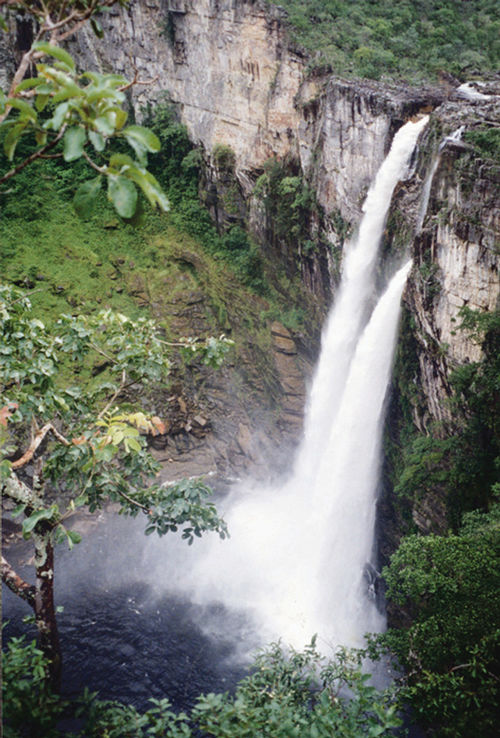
[(229, 67)]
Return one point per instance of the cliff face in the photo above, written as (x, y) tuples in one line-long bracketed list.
[(237, 82), (228, 66), (455, 217)]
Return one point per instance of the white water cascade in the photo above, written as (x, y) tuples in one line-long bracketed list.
[(426, 189), (297, 555)]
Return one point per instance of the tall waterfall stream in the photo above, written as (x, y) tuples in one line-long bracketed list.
[(300, 560)]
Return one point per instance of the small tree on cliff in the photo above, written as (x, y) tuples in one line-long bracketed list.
[(61, 442)]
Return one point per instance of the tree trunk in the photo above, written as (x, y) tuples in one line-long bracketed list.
[(45, 611), (41, 598)]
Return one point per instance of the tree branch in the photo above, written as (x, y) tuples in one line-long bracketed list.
[(132, 501), (19, 492), (35, 155), (16, 584), (115, 395), (28, 455)]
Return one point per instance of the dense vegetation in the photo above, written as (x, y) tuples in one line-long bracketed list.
[(286, 695), (402, 39), (449, 589)]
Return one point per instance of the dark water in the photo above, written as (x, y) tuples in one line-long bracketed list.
[(125, 637), (122, 637)]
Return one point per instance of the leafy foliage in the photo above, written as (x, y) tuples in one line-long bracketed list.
[(81, 112), (29, 705), (416, 40), (299, 694), (107, 457), (450, 587), (178, 167), (286, 694), (486, 140)]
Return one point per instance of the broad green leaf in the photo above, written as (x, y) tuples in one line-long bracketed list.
[(104, 126), (123, 195), (86, 195), (154, 193), (12, 139), (3, 24), (57, 53), (122, 160), (35, 518), (73, 537), (41, 101), (74, 141), (121, 119), (143, 136), (58, 118), (133, 445), (97, 141), (27, 84), (25, 109), (41, 137), (140, 151), (102, 92), (3, 99)]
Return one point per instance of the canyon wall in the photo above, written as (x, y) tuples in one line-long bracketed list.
[(238, 82)]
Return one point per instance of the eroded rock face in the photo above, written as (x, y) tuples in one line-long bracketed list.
[(229, 67), (456, 257)]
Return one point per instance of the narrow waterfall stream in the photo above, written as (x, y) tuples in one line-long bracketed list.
[(297, 560)]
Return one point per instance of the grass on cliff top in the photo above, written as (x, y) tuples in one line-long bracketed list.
[(411, 40)]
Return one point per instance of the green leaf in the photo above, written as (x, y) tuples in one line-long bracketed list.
[(3, 99), (104, 126), (35, 518), (12, 139), (86, 195), (57, 53), (73, 537), (25, 110), (133, 445), (3, 24), (27, 84), (74, 141), (41, 101), (122, 160), (143, 136), (18, 510), (96, 27), (97, 141), (58, 118), (123, 195), (41, 137)]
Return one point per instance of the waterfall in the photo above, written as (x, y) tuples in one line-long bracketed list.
[(426, 189), (298, 554)]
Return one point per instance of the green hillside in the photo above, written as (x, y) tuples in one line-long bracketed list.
[(401, 39)]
